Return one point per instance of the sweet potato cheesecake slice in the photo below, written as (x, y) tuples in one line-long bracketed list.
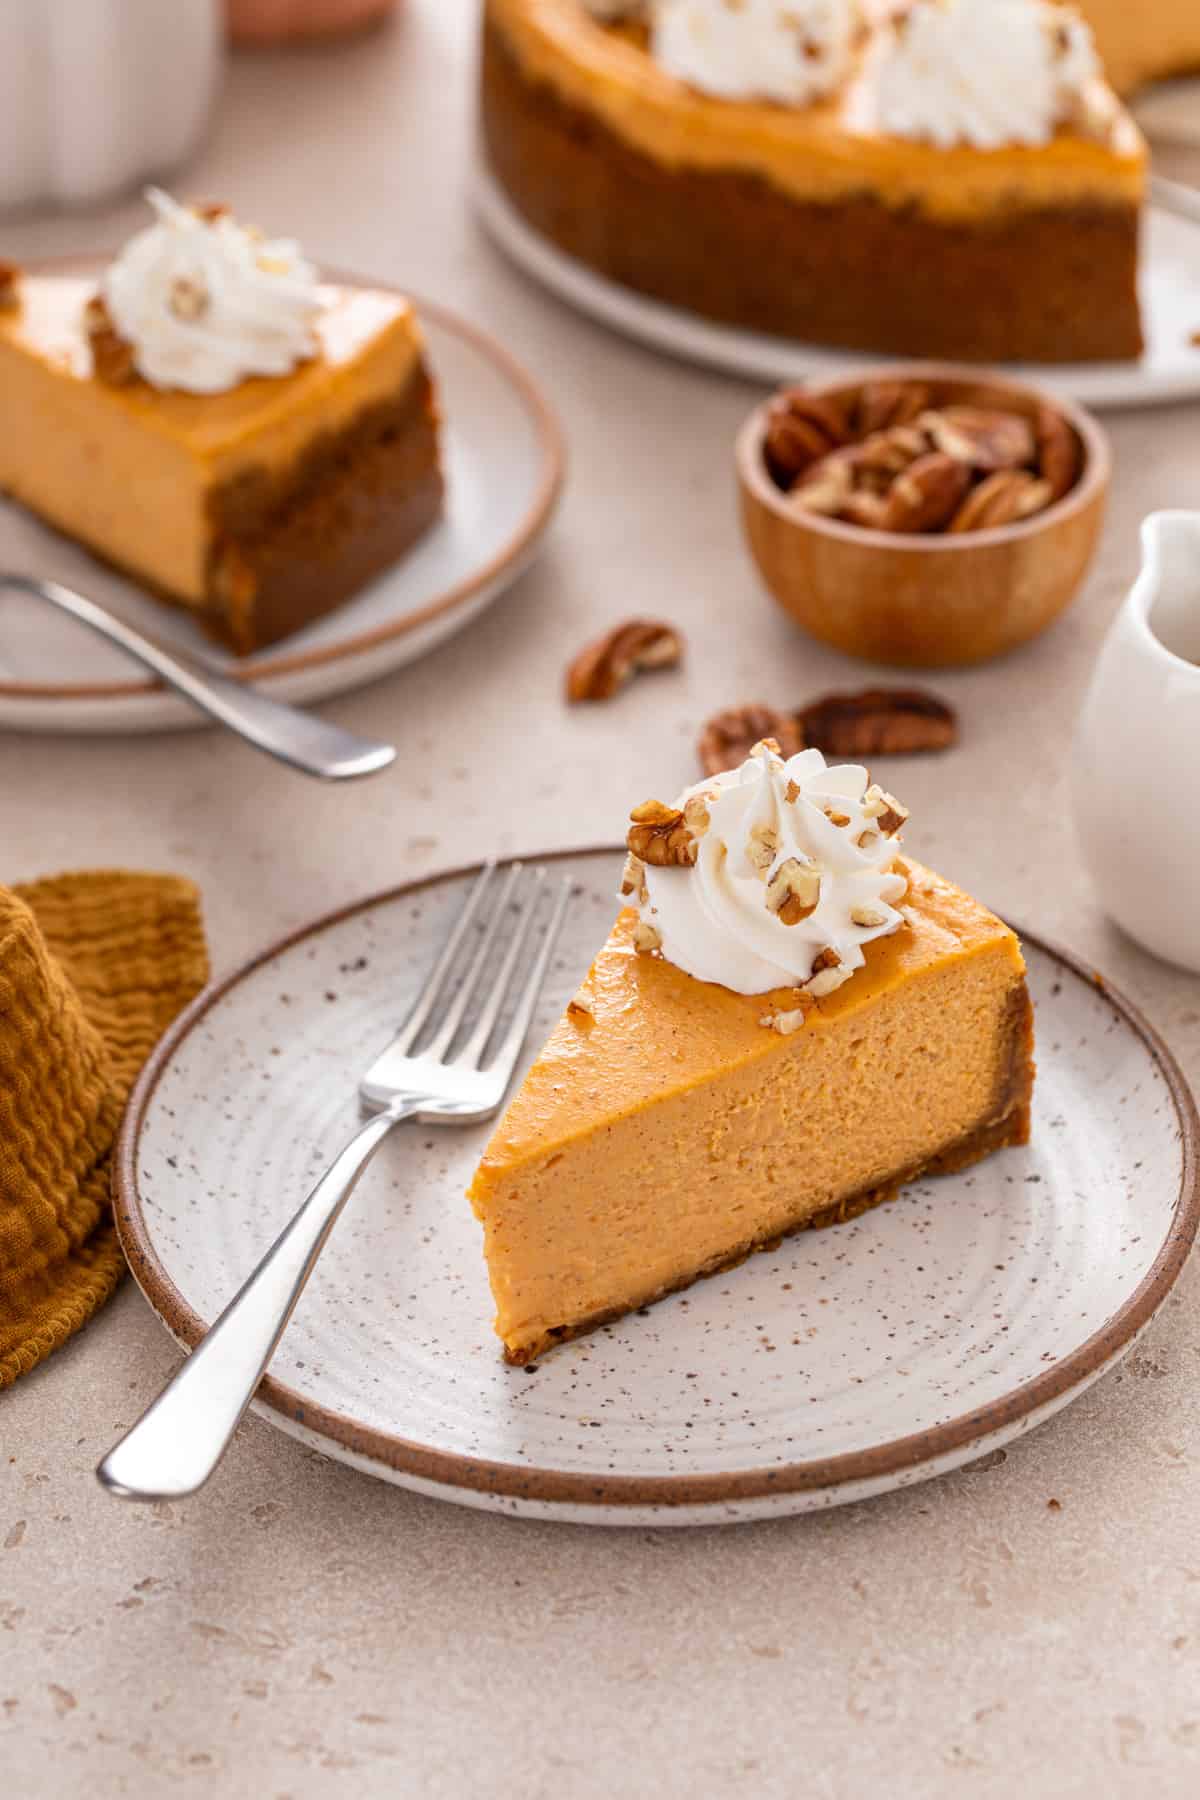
[(930, 177), (243, 441), (789, 1021)]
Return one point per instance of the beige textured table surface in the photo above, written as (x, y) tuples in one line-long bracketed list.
[(300, 1630)]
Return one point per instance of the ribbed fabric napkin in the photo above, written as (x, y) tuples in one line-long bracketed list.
[(93, 968)]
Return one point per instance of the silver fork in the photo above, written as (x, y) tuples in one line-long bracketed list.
[(180, 1439)]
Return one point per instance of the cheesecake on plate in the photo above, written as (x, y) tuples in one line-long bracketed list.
[(937, 178), (242, 440), (789, 1021)]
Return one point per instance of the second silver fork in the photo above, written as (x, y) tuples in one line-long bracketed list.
[(425, 1073)]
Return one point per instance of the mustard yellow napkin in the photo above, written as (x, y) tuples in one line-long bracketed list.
[(93, 968)]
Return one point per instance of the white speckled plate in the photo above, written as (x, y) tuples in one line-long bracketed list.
[(1170, 286), (504, 460), (848, 1361)]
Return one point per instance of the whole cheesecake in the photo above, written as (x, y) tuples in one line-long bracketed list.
[(651, 146), (246, 443), (690, 1108)]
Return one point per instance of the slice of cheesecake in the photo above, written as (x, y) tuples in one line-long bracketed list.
[(257, 508), (666, 1130)]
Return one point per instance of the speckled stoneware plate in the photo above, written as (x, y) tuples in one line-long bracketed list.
[(504, 460), (847, 1362), (1170, 284)]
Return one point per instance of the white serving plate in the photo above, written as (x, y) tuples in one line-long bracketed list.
[(1169, 369), (504, 467), (847, 1362)]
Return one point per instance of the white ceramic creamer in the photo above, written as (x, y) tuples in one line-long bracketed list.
[(1136, 774)]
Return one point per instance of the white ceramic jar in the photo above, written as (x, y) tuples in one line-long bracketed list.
[(96, 95), (1136, 773)]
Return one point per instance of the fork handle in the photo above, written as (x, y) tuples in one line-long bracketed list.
[(180, 1439)]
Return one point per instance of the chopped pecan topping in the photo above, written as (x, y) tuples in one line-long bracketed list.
[(877, 722), (112, 356), (646, 938), (793, 891), (10, 285), (882, 404), (868, 916), (188, 299), (729, 737), (658, 836), (927, 495), (603, 667), (1002, 499), (827, 973), (800, 428), (787, 1019), (209, 210), (579, 1008), (982, 437), (633, 877), (696, 814), (763, 848), (1059, 453), (888, 812), (840, 819)]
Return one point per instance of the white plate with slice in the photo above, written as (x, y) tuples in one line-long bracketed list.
[(1170, 284), (504, 459), (849, 1361)]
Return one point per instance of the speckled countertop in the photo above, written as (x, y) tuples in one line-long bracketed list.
[(300, 1630)]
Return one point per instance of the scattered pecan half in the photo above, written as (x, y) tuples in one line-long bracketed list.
[(1059, 452), (603, 667), (10, 285), (728, 737), (112, 356), (1001, 499), (878, 722), (658, 835), (882, 404), (800, 428), (981, 437), (927, 495)]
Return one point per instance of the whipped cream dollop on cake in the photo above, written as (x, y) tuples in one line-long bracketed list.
[(981, 72), (791, 51), (773, 875), (204, 302)]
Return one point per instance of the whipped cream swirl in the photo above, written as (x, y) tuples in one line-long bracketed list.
[(203, 302), (791, 51), (981, 72), (777, 841)]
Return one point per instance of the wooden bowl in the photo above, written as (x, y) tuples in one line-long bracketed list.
[(937, 600)]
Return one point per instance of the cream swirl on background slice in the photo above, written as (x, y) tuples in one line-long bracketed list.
[(980, 72), (204, 302), (792, 51), (775, 874)]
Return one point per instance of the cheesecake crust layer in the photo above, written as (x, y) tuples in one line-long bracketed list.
[(1051, 281)]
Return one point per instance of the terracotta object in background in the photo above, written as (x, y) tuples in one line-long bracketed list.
[(283, 21), (926, 601)]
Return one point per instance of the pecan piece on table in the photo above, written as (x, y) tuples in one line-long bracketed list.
[(602, 668), (800, 428), (927, 495), (659, 835), (1003, 498), (1059, 454), (728, 737), (878, 722)]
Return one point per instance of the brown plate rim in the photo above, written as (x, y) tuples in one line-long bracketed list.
[(458, 1473), (550, 485)]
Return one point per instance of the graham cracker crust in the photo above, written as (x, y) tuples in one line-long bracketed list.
[(289, 548), (1009, 1127), (1054, 285)]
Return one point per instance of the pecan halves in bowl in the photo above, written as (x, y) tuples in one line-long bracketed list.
[(800, 428), (602, 668)]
